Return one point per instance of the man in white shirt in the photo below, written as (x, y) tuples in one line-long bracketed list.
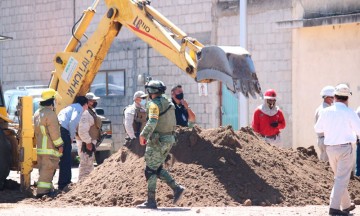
[(340, 124), (327, 94)]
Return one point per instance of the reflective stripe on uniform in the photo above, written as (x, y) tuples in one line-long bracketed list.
[(44, 150), (58, 142), (44, 139), (47, 185), (48, 152)]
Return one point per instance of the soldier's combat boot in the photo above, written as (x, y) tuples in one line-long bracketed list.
[(178, 192), (150, 203)]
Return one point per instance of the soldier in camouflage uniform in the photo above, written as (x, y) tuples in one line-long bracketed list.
[(158, 136)]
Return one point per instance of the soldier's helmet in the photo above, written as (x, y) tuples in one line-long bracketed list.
[(155, 87)]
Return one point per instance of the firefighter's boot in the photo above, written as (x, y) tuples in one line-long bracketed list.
[(150, 203)]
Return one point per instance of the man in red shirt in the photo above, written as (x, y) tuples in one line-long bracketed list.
[(268, 119)]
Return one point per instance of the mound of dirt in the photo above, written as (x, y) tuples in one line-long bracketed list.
[(218, 167)]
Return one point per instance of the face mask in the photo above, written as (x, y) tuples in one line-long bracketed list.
[(180, 96), (94, 104), (271, 103), (143, 103)]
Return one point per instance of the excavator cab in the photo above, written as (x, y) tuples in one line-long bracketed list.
[(231, 65)]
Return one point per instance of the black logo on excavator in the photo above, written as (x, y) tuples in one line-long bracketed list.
[(139, 24)]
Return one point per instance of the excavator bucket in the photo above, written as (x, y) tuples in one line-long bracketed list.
[(231, 65)]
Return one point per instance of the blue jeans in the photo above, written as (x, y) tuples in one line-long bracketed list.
[(65, 160), (357, 170)]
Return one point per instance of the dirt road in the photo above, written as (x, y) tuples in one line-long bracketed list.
[(21, 209)]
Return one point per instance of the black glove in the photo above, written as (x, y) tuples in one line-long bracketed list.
[(274, 124), (129, 139), (87, 151)]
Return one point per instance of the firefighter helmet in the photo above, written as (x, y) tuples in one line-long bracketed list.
[(48, 94)]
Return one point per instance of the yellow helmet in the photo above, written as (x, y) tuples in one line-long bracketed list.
[(48, 94)]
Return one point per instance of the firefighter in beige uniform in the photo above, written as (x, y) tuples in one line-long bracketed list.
[(89, 132), (48, 142)]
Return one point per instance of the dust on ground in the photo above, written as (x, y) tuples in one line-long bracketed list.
[(218, 167)]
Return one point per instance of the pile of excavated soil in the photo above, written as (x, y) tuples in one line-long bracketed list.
[(218, 167)]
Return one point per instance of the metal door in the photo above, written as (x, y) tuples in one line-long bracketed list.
[(229, 108)]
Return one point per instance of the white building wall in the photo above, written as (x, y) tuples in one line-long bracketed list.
[(271, 48), (42, 28)]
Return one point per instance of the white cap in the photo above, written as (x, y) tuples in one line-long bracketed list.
[(327, 91), (91, 96), (139, 94), (342, 90)]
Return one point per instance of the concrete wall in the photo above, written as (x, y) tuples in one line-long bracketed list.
[(271, 48), (282, 57), (322, 8), (325, 55), (38, 34), (42, 28)]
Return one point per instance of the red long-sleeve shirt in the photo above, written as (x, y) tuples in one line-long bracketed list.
[(261, 123)]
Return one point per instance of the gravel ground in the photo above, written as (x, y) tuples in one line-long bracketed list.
[(21, 209), (14, 175), (39, 209)]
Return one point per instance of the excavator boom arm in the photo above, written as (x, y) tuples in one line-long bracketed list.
[(77, 66), (75, 69)]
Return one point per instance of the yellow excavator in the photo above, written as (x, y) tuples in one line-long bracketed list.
[(77, 66)]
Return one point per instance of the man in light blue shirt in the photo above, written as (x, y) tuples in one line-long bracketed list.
[(340, 125), (69, 119)]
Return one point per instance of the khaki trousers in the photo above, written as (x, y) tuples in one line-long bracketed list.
[(47, 168), (86, 163), (322, 148), (341, 162)]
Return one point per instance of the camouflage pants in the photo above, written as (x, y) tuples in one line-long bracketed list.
[(155, 155)]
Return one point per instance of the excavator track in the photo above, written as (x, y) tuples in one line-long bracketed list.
[(5, 159)]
